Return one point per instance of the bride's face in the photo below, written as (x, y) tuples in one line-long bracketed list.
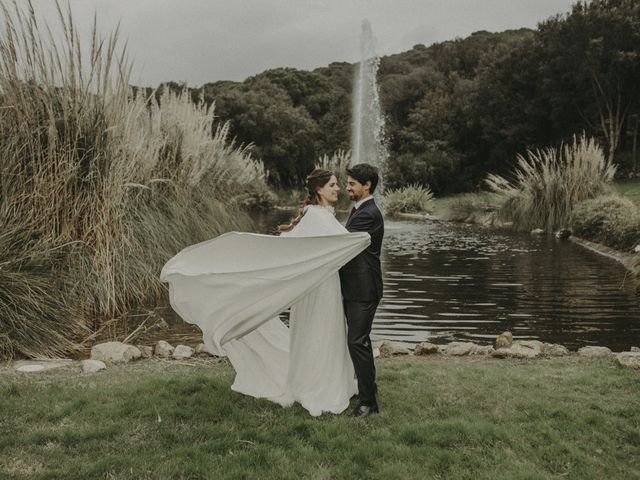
[(329, 192)]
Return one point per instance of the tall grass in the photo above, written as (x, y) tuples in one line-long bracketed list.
[(338, 164), (410, 199), (548, 183), (98, 186)]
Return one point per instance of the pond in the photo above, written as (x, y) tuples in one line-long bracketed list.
[(446, 281)]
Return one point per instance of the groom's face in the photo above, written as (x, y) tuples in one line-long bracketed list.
[(356, 190)]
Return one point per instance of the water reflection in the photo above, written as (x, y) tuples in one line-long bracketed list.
[(447, 282), (460, 282)]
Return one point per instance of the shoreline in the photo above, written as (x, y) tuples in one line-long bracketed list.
[(624, 258)]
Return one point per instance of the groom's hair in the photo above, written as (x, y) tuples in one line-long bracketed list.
[(363, 173)]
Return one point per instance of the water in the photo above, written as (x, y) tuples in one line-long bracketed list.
[(446, 282), (367, 144)]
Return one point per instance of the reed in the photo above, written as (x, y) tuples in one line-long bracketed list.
[(413, 198), (113, 182), (548, 183), (338, 164)]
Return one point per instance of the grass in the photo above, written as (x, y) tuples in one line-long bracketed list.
[(99, 185), (409, 199), (549, 183), (612, 220), (441, 418), (465, 206), (629, 189)]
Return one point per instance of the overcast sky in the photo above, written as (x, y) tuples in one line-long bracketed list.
[(199, 41)]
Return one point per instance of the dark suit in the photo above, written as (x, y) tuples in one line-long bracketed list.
[(361, 282)]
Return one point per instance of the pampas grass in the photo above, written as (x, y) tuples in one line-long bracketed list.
[(549, 183), (113, 182), (410, 199)]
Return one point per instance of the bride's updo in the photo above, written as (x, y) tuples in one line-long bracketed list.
[(314, 182)]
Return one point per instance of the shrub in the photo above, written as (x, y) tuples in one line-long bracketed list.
[(98, 186), (610, 219), (410, 199), (549, 183), (470, 207)]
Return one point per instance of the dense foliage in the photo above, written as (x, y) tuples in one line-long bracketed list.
[(460, 109)]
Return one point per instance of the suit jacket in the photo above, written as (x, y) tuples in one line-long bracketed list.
[(361, 278)]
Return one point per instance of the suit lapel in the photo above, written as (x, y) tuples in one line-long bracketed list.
[(358, 210)]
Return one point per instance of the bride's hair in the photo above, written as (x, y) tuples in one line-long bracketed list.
[(314, 181)]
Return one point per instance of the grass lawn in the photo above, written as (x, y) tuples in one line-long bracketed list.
[(441, 418), (442, 204), (629, 189)]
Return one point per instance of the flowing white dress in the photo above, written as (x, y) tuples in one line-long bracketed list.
[(234, 286)]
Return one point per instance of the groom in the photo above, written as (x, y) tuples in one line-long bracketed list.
[(361, 282)]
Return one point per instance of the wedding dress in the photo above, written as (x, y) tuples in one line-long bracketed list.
[(234, 286)]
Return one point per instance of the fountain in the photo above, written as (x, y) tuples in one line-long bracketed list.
[(367, 140)]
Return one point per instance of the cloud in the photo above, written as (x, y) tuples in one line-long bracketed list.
[(199, 41)]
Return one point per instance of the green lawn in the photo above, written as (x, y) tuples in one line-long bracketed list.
[(629, 189), (441, 418)]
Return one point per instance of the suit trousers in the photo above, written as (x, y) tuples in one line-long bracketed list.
[(359, 320)]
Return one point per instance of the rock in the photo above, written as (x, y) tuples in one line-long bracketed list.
[(92, 366), (635, 349), (563, 233), (537, 231), (426, 348), (163, 349), (115, 352), (629, 360), (521, 349), (201, 349), (555, 350), (32, 366), (182, 351), (146, 351), (376, 352), (484, 350), (461, 348), (391, 349), (595, 352), (504, 340)]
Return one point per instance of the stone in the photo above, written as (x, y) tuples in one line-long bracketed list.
[(115, 352), (92, 366), (182, 351), (555, 350), (33, 366), (595, 352), (504, 340), (521, 349), (426, 348), (484, 350), (635, 349), (461, 348), (163, 349), (392, 349), (629, 360), (201, 349), (537, 231), (563, 233), (146, 351)]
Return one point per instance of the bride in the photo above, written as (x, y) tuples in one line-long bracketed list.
[(234, 287)]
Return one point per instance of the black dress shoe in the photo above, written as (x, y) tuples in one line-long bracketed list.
[(365, 410)]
